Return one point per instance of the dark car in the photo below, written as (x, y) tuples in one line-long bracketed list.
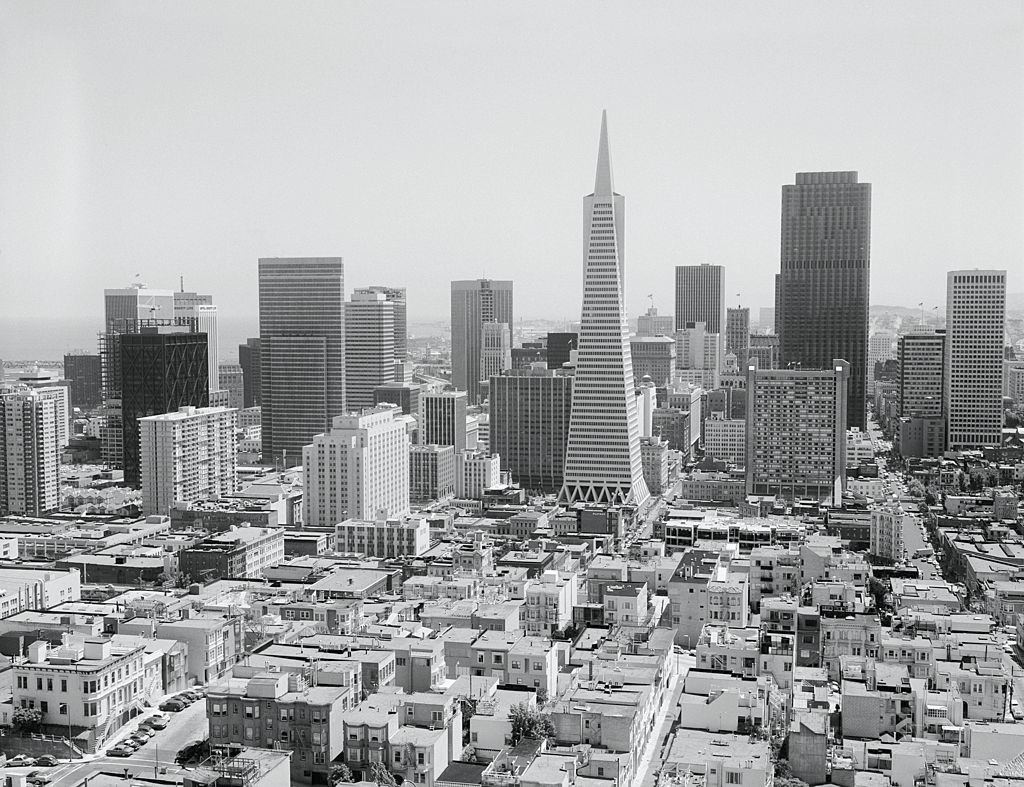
[(46, 761), (155, 723), (184, 699), (120, 751), (172, 705)]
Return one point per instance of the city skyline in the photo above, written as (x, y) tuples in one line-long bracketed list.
[(965, 200)]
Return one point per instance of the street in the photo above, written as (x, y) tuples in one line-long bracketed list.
[(913, 540), (183, 728)]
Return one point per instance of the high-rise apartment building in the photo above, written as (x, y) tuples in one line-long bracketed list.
[(602, 456), (397, 298), (29, 452), (495, 349), (737, 334), (821, 293), (975, 334), (369, 346), (796, 432), (302, 351), (529, 426), (186, 456), (700, 296), (249, 360), (653, 324), (124, 310), (85, 375), (358, 470), (161, 372), (475, 302), (444, 419)]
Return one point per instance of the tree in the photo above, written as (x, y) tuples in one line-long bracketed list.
[(916, 488), (528, 722), (469, 753), (377, 772), (27, 719), (542, 696), (340, 774)]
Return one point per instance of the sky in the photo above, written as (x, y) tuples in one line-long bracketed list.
[(424, 142)]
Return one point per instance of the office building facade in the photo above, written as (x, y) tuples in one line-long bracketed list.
[(369, 346), (737, 334), (444, 419), (431, 472), (796, 432), (975, 334), (654, 357), (821, 292), (160, 373), (249, 360), (302, 351), (602, 456), (475, 302), (85, 375), (396, 296), (700, 296)]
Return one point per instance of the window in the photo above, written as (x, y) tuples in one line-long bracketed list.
[(44, 706), (733, 777), (63, 685)]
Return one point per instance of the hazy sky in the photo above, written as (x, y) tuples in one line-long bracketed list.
[(429, 141)]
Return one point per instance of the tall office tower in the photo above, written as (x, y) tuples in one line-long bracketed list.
[(975, 331), (796, 432), (737, 333), (396, 297), (765, 348), (186, 456), (602, 456), (495, 349), (921, 429), (161, 372), (821, 293), (232, 381), (124, 310), (302, 351), (698, 353), (359, 469), (654, 324), (369, 346), (206, 322), (654, 357), (444, 419), (560, 348), (700, 296), (474, 303), (249, 360), (29, 453), (529, 426), (85, 376), (185, 301)]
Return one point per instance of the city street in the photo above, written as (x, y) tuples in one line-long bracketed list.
[(913, 540), (183, 728)]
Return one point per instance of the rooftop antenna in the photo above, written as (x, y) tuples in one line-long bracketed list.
[(181, 283)]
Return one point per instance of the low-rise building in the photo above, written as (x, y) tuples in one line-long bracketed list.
[(383, 538), (241, 552)]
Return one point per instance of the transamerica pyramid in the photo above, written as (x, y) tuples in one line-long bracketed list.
[(602, 457)]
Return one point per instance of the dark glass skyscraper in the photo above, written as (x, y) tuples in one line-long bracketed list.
[(84, 373), (249, 360), (160, 373), (821, 292)]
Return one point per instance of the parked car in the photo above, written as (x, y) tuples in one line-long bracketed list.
[(120, 751), (154, 723), (140, 738), (20, 761), (183, 698), (47, 761), (173, 705), (38, 777), (195, 694), (129, 743)]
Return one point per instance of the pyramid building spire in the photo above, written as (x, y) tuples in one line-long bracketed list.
[(602, 457)]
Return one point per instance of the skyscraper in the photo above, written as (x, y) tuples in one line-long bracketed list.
[(737, 334), (495, 349), (474, 303), (921, 384), (206, 322), (359, 469), (796, 432), (249, 360), (700, 296), (186, 456), (529, 426), (602, 457), (821, 292), (396, 297), (975, 333), (369, 346), (29, 452), (302, 351), (161, 372)]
